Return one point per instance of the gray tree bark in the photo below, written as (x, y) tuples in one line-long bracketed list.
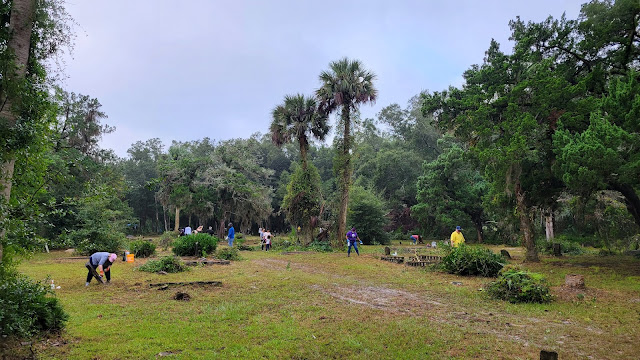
[(345, 178), (20, 28)]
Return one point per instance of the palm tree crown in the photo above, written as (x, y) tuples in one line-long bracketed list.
[(298, 118), (346, 84)]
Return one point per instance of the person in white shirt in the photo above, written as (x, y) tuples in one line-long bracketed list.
[(187, 230), (267, 240)]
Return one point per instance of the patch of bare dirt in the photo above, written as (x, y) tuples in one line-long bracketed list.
[(568, 293), (390, 300), (276, 264)]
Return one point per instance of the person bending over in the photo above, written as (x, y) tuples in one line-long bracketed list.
[(99, 262)]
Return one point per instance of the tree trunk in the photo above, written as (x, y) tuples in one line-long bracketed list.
[(20, 28), (177, 219), (479, 231), (164, 215), (548, 225), (304, 144), (221, 230), (345, 178), (630, 198), (155, 205), (525, 224)]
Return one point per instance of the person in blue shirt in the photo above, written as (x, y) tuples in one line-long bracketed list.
[(352, 240), (99, 262), (231, 235)]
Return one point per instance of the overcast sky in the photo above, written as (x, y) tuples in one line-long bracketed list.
[(185, 70)]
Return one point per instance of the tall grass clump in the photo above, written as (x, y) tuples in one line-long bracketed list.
[(228, 254), (519, 286), (195, 245), (170, 264), (471, 260)]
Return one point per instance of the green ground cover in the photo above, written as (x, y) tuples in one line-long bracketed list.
[(325, 305)]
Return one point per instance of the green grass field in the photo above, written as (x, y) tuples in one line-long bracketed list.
[(326, 305)]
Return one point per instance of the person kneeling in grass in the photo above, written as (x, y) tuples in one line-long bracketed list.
[(99, 262)]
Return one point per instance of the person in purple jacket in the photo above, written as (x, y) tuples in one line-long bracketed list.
[(352, 240)]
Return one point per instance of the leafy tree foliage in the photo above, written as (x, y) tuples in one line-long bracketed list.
[(30, 32), (140, 170), (450, 192), (367, 215), (303, 200), (597, 58)]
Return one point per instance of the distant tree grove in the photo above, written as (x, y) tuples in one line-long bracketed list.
[(539, 144)]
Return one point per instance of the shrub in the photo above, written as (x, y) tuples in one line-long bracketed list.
[(243, 247), (281, 244), (566, 246), (27, 307), (471, 260), (90, 242), (170, 264), (142, 248), (195, 245), (368, 215), (228, 254), (167, 238), (320, 246), (518, 286)]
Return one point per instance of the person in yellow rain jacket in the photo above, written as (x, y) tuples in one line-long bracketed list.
[(456, 237)]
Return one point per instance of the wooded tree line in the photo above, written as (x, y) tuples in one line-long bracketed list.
[(540, 140)]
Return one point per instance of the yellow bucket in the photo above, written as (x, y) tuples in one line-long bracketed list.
[(130, 257)]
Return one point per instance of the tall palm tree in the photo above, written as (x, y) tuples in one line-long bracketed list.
[(298, 119), (345, 86)]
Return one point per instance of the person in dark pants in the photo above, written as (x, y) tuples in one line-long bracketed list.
[(99, 262)]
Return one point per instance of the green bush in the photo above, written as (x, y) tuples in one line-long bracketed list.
[(518, 286), (228, 254), (472, 260), (195, 245), (566, 246), (367, 214), (27, 307), (89, 242), (282, 244), (167, 238), (319, 246), (142, 248), (170, 264)]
